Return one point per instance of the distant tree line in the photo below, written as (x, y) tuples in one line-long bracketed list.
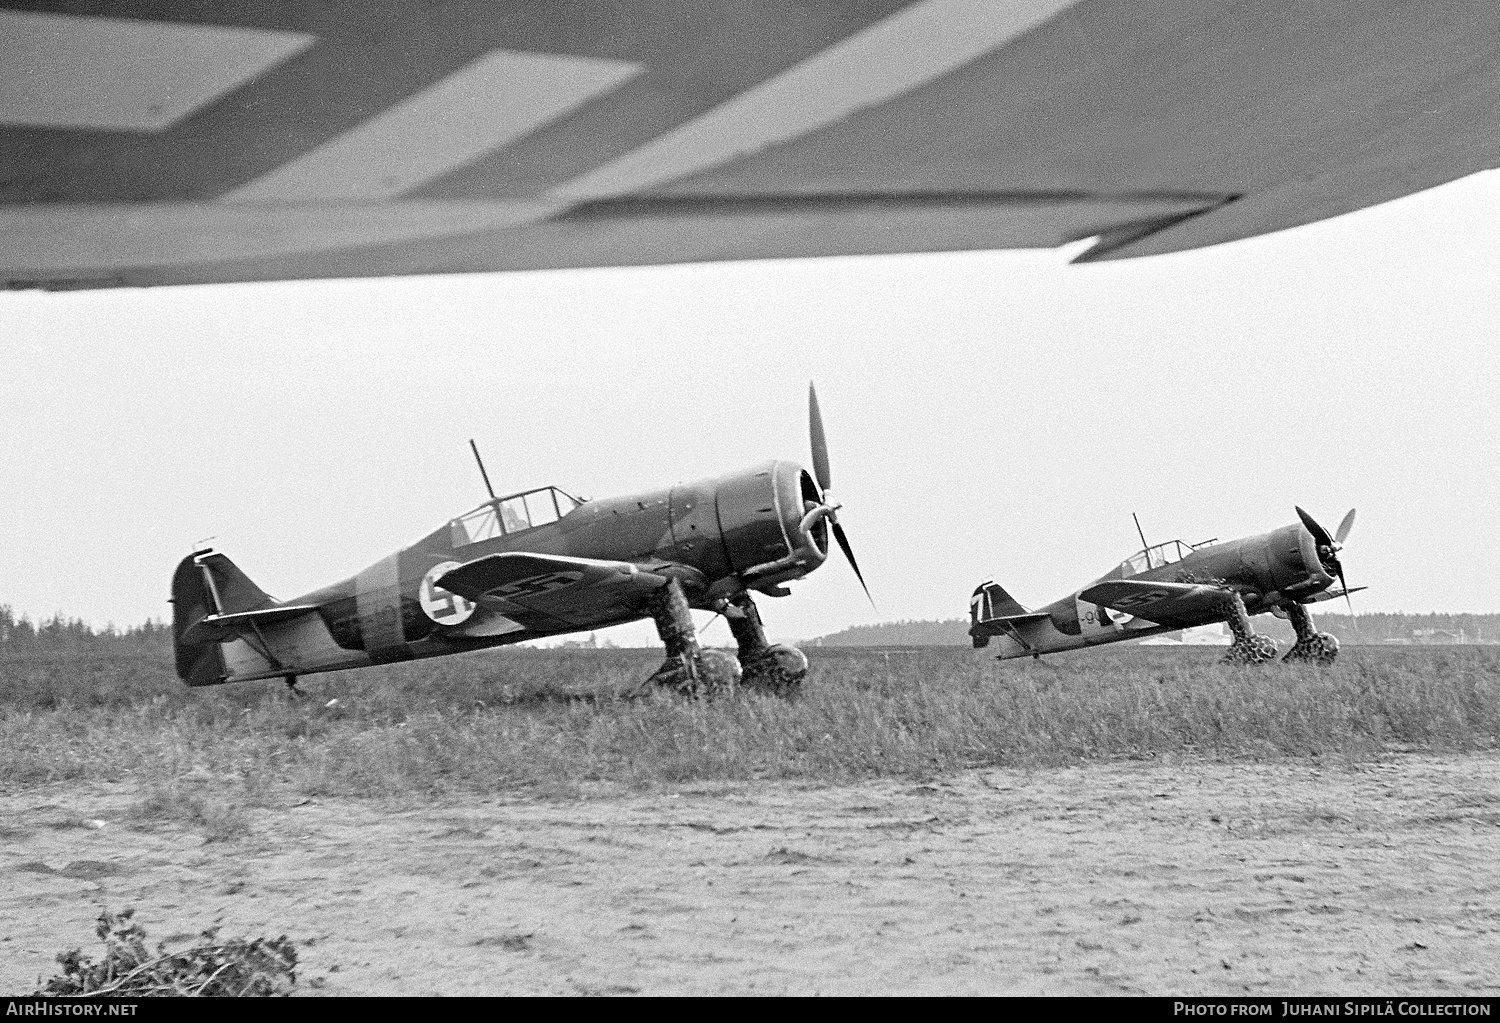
[(1380, 626), (1375, 627), (59, 634), (949, 632)]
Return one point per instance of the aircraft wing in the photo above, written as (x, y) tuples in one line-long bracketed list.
[(1160, 602), (572, 590), (193, 141), (1332, 594)]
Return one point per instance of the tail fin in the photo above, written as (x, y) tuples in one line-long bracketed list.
[(993, 612), (997, 603), (206, 584)]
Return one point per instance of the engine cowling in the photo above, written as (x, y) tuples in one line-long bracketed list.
[(760, 521)]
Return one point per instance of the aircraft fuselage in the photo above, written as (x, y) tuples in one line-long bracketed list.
[(718, 537)]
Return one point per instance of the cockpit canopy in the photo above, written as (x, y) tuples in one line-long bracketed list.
[(506, 515), (1155, 557)]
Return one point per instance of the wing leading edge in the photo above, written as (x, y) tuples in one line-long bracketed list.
[(1160, 602), (578, 591)]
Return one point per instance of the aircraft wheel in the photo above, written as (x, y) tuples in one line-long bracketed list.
[(1321, 648), (1251, 650), (719, 673), (673, 674), (779, 670)]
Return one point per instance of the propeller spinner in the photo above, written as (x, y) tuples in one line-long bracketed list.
[(1329, 547), (824, 477)]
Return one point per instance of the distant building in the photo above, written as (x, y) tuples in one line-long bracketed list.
[(1203, 635)]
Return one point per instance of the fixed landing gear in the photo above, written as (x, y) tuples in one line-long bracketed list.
[(1249, 647), (770, 668), (689, 669), (1311, 645)]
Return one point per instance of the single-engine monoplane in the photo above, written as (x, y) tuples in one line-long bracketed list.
[(1175, 585), (541, 563)]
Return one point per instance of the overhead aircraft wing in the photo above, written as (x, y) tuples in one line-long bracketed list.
[(1160, 602), (572, 590), (150, 142)]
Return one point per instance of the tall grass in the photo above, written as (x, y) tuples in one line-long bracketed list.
[(549, 721)]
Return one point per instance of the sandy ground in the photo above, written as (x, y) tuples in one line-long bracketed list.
[(1146, 877)]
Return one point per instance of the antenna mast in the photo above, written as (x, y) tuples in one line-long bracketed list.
[(475, 448), (1146, 547)]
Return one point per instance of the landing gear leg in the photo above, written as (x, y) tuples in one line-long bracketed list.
[(689, 668), (291, 684), (1311, 645), (1248, 647), (777, 669)]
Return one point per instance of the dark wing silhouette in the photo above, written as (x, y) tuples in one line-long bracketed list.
[(176, 142)]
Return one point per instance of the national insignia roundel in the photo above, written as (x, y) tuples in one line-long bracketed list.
[(441, 606)]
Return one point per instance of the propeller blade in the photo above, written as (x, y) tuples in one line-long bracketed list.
[(838, 534), (819, 440), (1320, 535), (1344, 527), (1345, 584)]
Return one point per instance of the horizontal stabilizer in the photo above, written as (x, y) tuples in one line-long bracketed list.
[(1002, 621), (1013, 626), (1156, 601), (1006, 625), (1017, 627), (218, 628)]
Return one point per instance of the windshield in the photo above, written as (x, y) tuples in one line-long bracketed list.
[(1155, 557), (507, 515)]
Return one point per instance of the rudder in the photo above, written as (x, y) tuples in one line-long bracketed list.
[(990, 604), (204, 584)]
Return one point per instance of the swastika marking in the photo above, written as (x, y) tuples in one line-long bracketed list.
[(536, 584), (440, 605), (1138, 599)]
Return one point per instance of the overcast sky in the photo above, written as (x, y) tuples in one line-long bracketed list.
[(989, 414)]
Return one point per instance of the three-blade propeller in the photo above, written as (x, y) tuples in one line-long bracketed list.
[(826, 509), (1329, 547)]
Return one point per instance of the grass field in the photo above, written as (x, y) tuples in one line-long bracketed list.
[(548, 722)]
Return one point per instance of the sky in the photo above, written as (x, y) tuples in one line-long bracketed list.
[(989, 415)]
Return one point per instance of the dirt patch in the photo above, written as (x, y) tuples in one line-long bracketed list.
[(1161, 877)]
